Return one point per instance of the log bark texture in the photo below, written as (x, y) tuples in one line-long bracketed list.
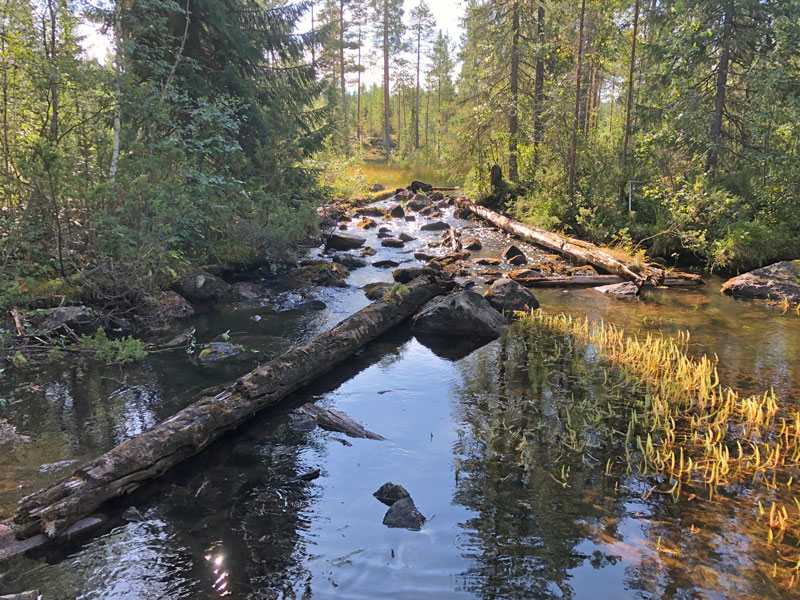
[(128, 466), (670, 280), (574, 248)]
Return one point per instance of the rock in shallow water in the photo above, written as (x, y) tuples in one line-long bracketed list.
[(343, 241), (215, 351), (627, 289), (404, 514), (507, 295), (459, 313), (389, 493), (775, 282)]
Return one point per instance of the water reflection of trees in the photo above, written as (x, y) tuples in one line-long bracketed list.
[(530, 515)]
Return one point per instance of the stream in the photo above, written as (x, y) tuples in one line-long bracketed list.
[(238, 521)]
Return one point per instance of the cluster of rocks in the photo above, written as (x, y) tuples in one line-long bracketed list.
[(402, 512)]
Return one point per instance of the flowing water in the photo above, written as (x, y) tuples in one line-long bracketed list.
[(238, 521)]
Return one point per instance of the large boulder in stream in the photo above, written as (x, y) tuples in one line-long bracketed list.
[(459, 313), (418, 202), (389, 493), (166, 306), (777, 282), (506, 295), (343, 241), (349, 261), (201, 287)]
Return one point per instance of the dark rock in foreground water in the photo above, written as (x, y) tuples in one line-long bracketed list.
[(459, 313), (218, 350), (404, 514), (511, 251), (775, 282), (389, 493), (392, 243), (351, 262)]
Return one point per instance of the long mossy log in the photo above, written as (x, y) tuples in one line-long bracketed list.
[(126, 467), (585, 252)]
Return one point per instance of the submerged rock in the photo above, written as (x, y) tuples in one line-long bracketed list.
[(404, 514), (460, 313), (778, 281), (507, 295), (389, 493), (343, 241), (215, 351), (627, 289)]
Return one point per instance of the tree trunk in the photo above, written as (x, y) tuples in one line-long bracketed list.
[(416, 113), (112, 175), (720, 89), (345, 136), (629, 102), (387, 142), (578, 249), (538, 89), (513, 118), (358, 107), (51, 4), (573, 152), (138, 460)]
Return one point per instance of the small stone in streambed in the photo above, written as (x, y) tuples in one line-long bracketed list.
[(302, 422), (385, 264), (312, 305), (383, 229), (472, 244), (397, 212), (411, 218), (487, 261), (392, 243), (351, 262), (518, 260), (405, 237), (404, 514), (423, 257), (511, 251), (368, 251), (375, 291), (382, 235), (366, 223), (389, 493), (435, 226)]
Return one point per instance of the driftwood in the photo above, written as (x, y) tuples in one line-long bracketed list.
[(670, 280), (128, 466), (333, 420), (574, 248)]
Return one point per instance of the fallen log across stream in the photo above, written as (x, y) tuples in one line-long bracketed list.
[(670, 280), (631, 269), (52, 510)]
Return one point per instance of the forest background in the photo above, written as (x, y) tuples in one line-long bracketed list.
[(215, 128)]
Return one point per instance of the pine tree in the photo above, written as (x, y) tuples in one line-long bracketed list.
[(388, 35), (423, 26)]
